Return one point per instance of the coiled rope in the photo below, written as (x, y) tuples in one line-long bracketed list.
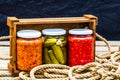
[(105, 67)]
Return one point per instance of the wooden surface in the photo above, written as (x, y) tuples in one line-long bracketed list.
[(4, 52)]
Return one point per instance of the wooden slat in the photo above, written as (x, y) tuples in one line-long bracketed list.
[(97, 53), (11, 20), (2, 43), (4, 51), (103, 49), (112, 43), (3, 63), (54, 20)]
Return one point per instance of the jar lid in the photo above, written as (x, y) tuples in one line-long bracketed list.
[(28, 33), (54, 31), (80, 31)]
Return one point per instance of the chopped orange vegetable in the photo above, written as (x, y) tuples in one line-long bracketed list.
[(29, 53)]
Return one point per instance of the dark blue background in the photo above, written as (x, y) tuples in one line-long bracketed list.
[(108, 12)]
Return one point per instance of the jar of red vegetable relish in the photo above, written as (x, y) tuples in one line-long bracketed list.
[(29, 49), (80, 47)]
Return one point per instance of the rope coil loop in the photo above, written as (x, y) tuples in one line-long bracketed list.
[(45, 71), (105, 55), (5, 37), (84, 72), (5, 58)]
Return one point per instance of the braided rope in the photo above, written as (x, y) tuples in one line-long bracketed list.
[(24, 76), (106, 55), (58, 71), (83, 72), (47, 67), (118, 70), (5, 58), (5, 74), (5, 37)]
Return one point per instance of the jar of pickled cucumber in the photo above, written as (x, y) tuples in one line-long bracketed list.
[(54, 46), (29, 49), (80, 47)]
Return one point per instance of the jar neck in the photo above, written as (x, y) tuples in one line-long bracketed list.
[(29, 38), (82, 35)]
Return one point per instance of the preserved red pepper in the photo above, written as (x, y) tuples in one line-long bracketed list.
[(80, 46), (29, 49)]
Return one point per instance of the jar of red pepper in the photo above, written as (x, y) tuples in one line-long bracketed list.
[(80, 46), (29, 49)]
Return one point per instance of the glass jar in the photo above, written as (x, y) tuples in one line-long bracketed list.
[(29, 49), (54, 46), (80, 46)]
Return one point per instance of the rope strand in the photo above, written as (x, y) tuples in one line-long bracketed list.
[(5, 37), (108, 45)]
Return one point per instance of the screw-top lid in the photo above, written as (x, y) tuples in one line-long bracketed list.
[(80, 31), (54, 31), (28, 33)]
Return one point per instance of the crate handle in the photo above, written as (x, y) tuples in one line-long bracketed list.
[(108, 53)]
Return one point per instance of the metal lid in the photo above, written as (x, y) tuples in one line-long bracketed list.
[(28, 33), (53, 31), (80, 31)]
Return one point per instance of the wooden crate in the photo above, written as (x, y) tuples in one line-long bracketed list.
[(66, 23)]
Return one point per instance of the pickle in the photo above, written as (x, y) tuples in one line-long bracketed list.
[(51, 37), (52, 57), (62, 37), (58, 53), (61, 43), (46, 56), (64, 43), (50, 42), (64, 54)]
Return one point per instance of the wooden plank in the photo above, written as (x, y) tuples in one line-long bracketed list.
[(103, 49), (2, 43), (4, 51), (54, 20), (3, 64), (11, 20), (99, 52), (112, 43), (5, 72)]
